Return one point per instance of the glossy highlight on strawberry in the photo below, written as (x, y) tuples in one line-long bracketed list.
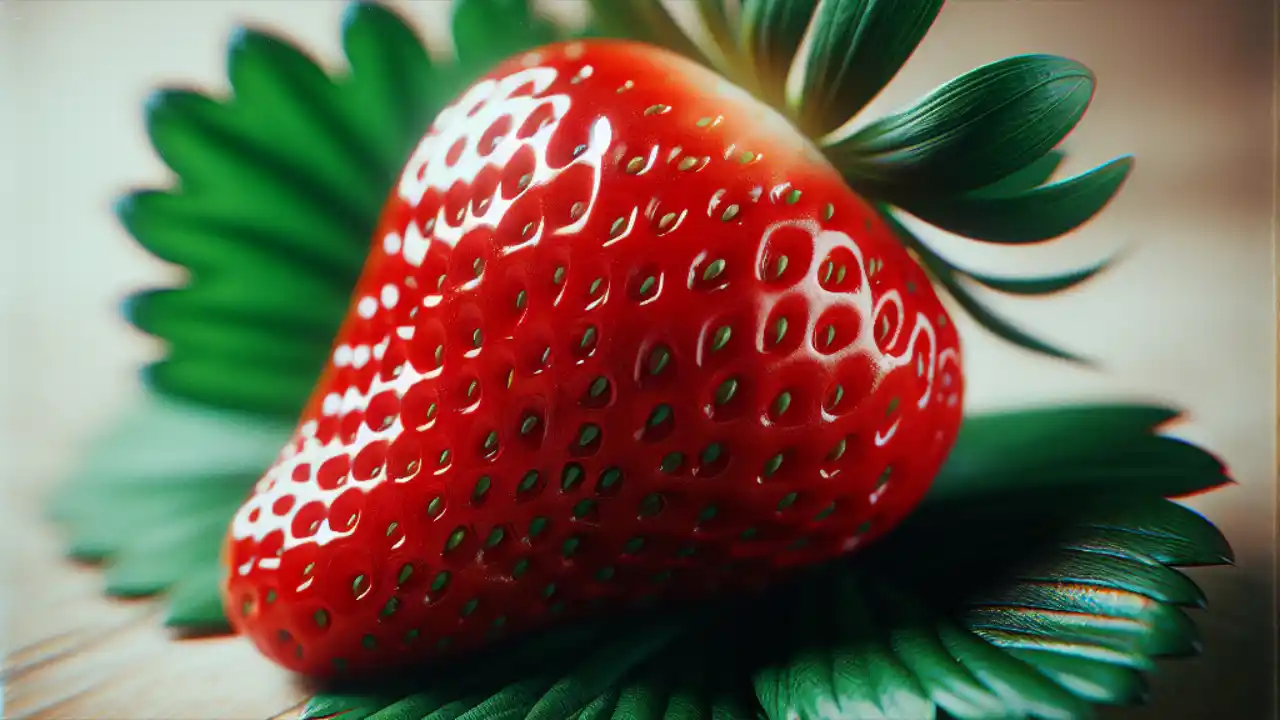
[(622, 334)]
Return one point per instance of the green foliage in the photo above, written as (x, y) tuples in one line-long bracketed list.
[(1037, 581)]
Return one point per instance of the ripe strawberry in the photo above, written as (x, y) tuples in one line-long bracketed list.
[(622, 333)]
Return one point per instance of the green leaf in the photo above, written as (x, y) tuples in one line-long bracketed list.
[(1043, 285), (971, 132), (769, 34), (858, 46), (646, 21), (152, 498), (279, 188), (1030, 216), (485, 32), (949, 278), (1031, 176)]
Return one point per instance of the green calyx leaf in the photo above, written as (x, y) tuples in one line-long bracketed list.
[(153, 497), (1062, 595), (645, 21), (1029, 216), (769, 34), (857, 47), (971, 132)]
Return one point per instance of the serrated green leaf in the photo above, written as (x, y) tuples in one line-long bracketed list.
[(971, 132), (486, 32), (858, 46), (153, 496), (1031, 216), (646, 21), (769, 35)]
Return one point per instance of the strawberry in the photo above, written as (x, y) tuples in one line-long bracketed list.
[(622, 334)]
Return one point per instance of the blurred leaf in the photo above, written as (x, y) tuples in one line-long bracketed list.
[(858, 47), (279, 189), (973, 131), (646, 21), (769, 35), (153, 496), (486, 32)]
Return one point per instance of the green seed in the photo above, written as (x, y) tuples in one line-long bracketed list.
[(548, 590), (610, 478), (598, 387), (884, 477), (828, 211), (605, 574), (571, 476), (831, 335), (704, 122), (651, 505), (658, 360), (522, 299), (528, 482), (441, 582), (588, 434), (828, 268), (787, 501), (495, 536), (633, 546), (616, 228), (711, 453), (793, 197), (557, 276), (588, 337), (825, 512), (470, 607), (666, 221), (322, 618), (713, 270), (840, 274), (435, 506), (746, 157), (481, 488), (771, 466), (360, 585), (708, 513), (659, 415), (520, 568), (837, 394), (779, 330), (730, 213), (781, 403), (726, 391), (687, 163), (406, 571), (528, 424), (271, 596), (411, 634), (671, 462), (749, 534), (444, 458), (478, 266), (455, 538), (647, 285), (595, 286), (635, 165), (656, 109), (583, 508), (471, 389), (893, 406), (570, 546), (838, 451), (369, 642), (390, 607), (721, 338), (477, 338), (537, 526), (491, 442), (780, 266)]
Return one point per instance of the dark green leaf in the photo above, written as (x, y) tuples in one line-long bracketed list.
[(949, 278), (204, 378), (1031, 216), (1031, 176), (1045, 285), (486, 32), (769, 35), (858, 46), (646, 21), (971, 132)]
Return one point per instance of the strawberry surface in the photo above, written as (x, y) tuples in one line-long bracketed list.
[(622, 333)]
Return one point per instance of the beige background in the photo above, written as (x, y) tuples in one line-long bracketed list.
[(1186, 85)]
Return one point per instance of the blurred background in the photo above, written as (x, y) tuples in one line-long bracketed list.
[(1188, 318)]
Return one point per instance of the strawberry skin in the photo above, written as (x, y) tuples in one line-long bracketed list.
[(622, 334)]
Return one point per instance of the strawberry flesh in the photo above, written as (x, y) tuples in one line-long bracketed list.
[(622, 334)]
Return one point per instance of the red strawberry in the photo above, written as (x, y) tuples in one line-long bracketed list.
[(622, 333)]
